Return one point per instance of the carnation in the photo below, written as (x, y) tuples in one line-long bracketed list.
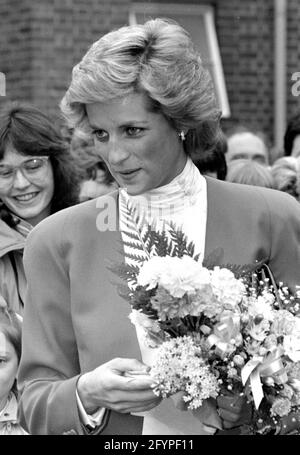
[(228, 289), (177, 275), (167, 306), (204, 301)]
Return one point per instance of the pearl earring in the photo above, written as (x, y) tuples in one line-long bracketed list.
[(182, 135)]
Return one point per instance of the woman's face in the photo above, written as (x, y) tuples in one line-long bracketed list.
[(140, 148), (27, 197), (8, 368)]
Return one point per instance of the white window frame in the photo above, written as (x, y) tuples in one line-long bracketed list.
[(2, 84), (207, 11)]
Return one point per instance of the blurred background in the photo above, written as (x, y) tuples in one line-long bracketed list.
[(250, 46)]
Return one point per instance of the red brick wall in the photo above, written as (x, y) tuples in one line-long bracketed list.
[(41, 40)]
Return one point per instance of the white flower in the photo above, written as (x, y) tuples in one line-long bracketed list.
[(259, 331), (291, 345), (285, 323), (179, 366), (141, 319), (262, 306), (177, 275), (228, 289)]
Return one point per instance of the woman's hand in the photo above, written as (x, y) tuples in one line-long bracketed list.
[(234, 410), (122, 385)]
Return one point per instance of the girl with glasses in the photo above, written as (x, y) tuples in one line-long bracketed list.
[(37, 178)]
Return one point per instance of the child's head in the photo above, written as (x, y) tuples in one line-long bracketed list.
[(10, 350)]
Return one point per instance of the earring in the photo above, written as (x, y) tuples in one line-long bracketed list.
[(182, 135)]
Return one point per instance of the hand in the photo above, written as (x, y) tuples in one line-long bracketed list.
[(234, 410), (114, 386)]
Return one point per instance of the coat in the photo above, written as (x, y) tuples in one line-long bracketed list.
[(74, 318), (12, 278), (9, 424)]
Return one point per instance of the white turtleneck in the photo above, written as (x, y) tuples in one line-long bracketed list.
[(184, 202)]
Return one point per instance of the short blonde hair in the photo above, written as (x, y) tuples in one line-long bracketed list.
[(249, 172), (157, 58), (286, 174)]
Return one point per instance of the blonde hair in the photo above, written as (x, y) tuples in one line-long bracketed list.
[(286, 174), (156, 58), (249, 172)]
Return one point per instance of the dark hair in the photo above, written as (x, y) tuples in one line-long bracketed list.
[(11, 327), (211, 159), (31, 132), (292, 130), (83, 150)]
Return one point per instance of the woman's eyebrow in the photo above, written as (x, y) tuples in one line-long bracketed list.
[(122, 124)]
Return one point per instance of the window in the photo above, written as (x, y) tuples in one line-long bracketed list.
[(199, 21)]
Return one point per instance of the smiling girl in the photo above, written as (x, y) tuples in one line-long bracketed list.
[(37, 178)]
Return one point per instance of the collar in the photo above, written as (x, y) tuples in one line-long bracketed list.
[(181, 192), (22, 226), (10, 410)]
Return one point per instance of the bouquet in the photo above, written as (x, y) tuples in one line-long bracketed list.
[(217, 329)]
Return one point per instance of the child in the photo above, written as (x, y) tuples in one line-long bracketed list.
[(10, 353)]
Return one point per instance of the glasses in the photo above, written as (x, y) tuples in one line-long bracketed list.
[(33, 169)]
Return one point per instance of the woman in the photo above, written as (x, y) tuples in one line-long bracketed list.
[(141, 91), (37, 178)]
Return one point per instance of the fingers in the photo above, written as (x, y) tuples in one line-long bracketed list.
[(112, 384), (126, 407), (136, 383), (129, 402), (122, 365)]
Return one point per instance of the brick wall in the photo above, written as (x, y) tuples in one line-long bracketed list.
[(245, 31), (41, 40), (293, 54), (15, 47)]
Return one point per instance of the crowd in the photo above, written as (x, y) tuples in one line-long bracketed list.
[(142, 130)]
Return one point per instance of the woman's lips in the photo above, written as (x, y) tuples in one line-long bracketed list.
[(129, 174), (26, 197)]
